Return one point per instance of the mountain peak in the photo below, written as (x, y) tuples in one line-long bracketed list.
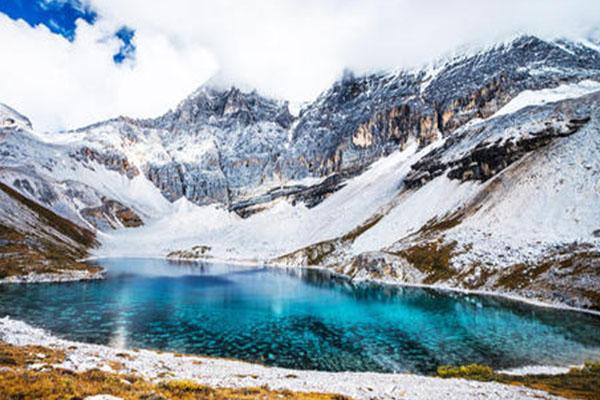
[(216, 104)]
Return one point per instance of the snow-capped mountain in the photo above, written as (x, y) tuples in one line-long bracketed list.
[(480, 171)]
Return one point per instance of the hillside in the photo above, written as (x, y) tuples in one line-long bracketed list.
[(37, 245)]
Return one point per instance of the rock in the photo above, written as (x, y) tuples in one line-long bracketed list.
[(111, 215), (112, 161), (363, 118), (484, 160)]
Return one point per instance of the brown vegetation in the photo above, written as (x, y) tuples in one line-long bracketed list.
[(52, 245), (578, 383), (20, 380), (431, 258)]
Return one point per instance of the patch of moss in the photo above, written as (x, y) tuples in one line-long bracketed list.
[(182, 386)]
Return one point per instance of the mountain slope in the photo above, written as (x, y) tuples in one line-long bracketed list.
[(478, 173), (34, 240), (529, 227)]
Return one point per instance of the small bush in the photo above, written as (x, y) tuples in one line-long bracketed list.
[(592, 367), (185, 385), (472, 371)]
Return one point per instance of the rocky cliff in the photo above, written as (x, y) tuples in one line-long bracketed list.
[(242, 149)]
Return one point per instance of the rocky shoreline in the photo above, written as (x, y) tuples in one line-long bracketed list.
[(65, 276)]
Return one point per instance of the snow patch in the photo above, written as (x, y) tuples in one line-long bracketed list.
[(538, 97), (281, 229)]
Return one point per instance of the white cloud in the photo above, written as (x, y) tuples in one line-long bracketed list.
[(287, 48), (61, 84)]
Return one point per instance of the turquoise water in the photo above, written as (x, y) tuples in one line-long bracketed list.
[(300, 319)]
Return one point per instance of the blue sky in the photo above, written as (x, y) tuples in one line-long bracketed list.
[(60, 17)]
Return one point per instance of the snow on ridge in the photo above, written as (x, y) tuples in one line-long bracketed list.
[(554, 201), (539, 97), (538, 207)]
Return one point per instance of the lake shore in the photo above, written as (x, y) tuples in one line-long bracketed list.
[(56, 277)]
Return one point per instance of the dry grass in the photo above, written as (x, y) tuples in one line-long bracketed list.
[(578, 383), (436, 226), (521, 275), (431, 258), (17, 381), (26, 355), (64, 226), (573, 272)]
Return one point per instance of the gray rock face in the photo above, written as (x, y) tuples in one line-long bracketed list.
[(215, 147), (362, 118), (111, 215), (201, 185), (247, 130), (111, 161), (255, 147)]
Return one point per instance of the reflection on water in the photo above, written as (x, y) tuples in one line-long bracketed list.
[(300, 318)]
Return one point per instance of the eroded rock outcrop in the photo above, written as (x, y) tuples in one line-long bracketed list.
[(112, 161), (111, 215), (485, 160)]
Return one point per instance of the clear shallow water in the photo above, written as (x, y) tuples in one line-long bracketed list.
[(300, 319)]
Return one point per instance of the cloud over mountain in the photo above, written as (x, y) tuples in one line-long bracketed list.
[(291, 49)]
